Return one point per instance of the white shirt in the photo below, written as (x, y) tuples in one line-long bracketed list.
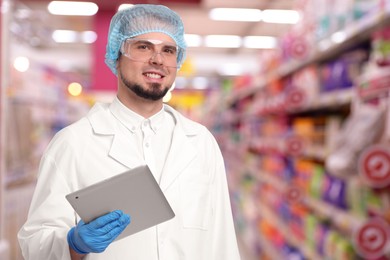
[(153, 136)]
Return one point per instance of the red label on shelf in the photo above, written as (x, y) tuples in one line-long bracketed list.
[(374, 166), (372, 238), (294, 145), (293, 194), (295, 98), (374, 86), (298, 48)]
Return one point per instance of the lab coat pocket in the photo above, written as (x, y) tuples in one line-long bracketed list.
[(195, 204)]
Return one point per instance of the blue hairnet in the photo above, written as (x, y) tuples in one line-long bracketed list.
[(141, 19)]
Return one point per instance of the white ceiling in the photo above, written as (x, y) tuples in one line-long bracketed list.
[(207, 61)]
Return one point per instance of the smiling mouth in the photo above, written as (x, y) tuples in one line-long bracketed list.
[(153, 75)]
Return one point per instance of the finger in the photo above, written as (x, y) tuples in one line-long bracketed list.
[(105, 219), (124, 220), (114, 233)]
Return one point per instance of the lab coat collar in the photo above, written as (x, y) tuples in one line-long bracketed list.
[(104, 123), (188, 126), (182, 151), (133, 121)]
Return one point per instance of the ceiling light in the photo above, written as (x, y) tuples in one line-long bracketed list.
[(88, 36), (235, 14), (75, 89), (124, 6), (72, 8), (280, 16), (223, 41), (21, 64), (69, 36), (259, 42), (231, 69), (64, 36), (193, 40)]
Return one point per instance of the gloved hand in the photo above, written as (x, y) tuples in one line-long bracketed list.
[(98, 234)]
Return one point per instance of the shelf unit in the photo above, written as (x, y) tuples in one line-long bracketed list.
[(246, 152), (359, 32)]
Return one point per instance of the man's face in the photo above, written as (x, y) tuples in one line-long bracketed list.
[(148, 78)]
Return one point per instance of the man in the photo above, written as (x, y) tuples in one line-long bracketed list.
[(145, 49)]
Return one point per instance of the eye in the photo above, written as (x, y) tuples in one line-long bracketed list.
[(171, 50), (143, 46)]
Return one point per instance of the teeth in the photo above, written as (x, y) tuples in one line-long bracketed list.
[(153, 75)]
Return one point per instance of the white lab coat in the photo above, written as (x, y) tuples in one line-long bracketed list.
[(97, 147)]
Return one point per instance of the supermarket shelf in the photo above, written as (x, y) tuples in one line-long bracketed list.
[(374, 84), (359, 32), (343, 220), (325, 101), (269, 249), (328, 100), (316, 152), (279, 146), (249, 105), (272, 218)]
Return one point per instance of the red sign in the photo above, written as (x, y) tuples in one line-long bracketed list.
[(374, 166), (371, 240)]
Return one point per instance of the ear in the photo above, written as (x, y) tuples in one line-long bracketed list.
[(117, 64)]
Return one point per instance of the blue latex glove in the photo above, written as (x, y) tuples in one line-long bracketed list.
[(98, 234)]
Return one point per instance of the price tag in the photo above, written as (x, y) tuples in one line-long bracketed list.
[(374, 166), (295, 98), (293, 194), (298, 48), (372, 238), (294, 145)]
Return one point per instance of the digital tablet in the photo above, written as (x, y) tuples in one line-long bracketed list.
[(135, 192)]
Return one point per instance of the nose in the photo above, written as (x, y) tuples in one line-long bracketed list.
[(157, 58)]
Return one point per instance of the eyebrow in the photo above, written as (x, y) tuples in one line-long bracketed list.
[(167, 43)]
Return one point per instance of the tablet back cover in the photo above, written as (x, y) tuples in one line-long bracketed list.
[(135, 192)]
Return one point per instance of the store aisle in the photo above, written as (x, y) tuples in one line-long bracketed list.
[(18, 199)]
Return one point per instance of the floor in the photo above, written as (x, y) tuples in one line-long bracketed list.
[(17, 201)]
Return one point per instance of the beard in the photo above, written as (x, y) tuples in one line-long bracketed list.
[(156, 92)]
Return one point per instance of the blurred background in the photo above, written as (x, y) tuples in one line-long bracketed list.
[(295, 91)]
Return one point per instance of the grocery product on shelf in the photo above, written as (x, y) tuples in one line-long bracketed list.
[(362, 128)]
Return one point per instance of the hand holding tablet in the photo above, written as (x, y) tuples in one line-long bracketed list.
[(135, 192)]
